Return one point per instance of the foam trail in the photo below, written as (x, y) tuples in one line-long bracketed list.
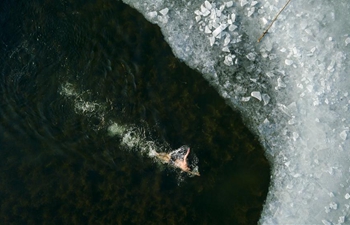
[(132, 137)]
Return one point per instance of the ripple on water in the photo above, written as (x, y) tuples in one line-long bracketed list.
[(70, 72)]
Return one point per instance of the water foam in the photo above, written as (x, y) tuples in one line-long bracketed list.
[(131, 137), (292, 89)]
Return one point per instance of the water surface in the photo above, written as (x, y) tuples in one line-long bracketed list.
[(58, 165)]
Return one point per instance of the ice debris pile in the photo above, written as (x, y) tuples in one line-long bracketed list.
[(217, 21), (292, 88), (223, 32)]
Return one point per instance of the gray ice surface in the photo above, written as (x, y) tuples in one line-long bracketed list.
[(292, 87)]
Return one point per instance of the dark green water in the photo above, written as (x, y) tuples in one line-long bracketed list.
[(60, 166)]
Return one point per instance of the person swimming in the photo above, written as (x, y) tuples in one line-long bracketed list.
[(177, 159)]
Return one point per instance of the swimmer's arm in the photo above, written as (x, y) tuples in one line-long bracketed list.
[(188, 152)]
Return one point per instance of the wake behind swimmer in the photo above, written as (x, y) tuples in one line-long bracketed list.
[(131, 136), (135, 138)]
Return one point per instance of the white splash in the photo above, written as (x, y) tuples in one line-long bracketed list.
[(132, 137)]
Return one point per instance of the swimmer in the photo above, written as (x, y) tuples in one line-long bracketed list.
[(178, 159)]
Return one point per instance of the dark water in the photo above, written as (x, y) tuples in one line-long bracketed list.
[(58, 165)]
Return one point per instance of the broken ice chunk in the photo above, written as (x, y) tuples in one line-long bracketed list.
[(333, 205), (245, 99), (207, 5), (288, 62), (266, 121), (343, 135), (251, 11), (225, 94), (224, 16), (347, 196), (347, 41), (219, 29), (331, 66), (253, 79), (164, 11), (198, 18), (232, 27), (211, 40), (218, 36), (327, 210), (313, 50), (270, 74), (222, 7), (218, 13), (207, 30), (251, 56), (296, 175), (244, 2), (212, 15), (205, 11), (256, 94), (227, 40), (308, 31), (296, 52), (325, 222), (264, 21), (214, 24), (284, 109), (291, 121), (228, 60), (198, 13), (266, 98), (225, 49), (280, 83), (309, 87), (264, 54), (201, 28), (254, 3), (162, 19), (229, 4), (152, 14), (233, 17)]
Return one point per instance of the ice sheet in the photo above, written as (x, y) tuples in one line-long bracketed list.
[(292, 88)]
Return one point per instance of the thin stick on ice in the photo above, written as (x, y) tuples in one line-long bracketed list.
[(274, 19)]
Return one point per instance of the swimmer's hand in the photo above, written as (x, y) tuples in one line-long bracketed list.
[(195, 173)]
